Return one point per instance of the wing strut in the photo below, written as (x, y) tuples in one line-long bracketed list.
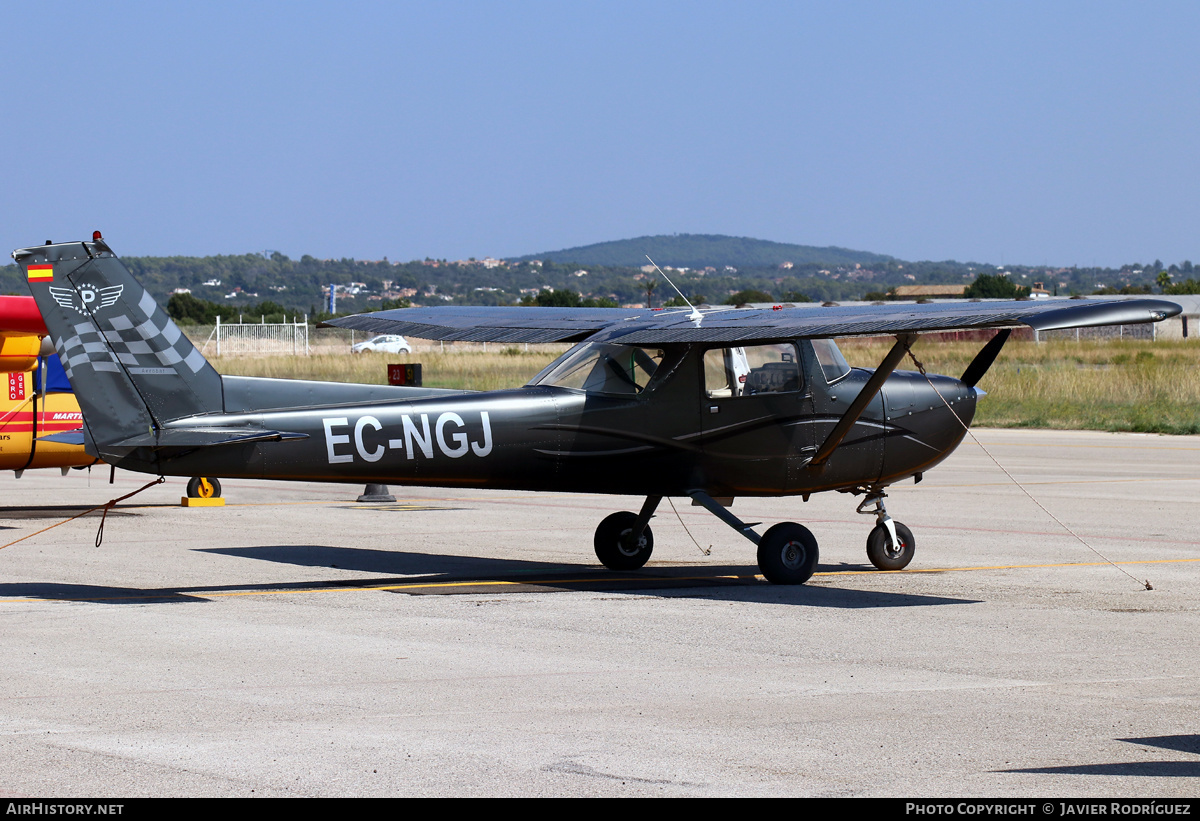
[(868, 392)]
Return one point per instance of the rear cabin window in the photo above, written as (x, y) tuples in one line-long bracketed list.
[(755, 369)]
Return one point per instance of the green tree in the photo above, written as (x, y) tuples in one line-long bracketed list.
[(994, 286), (749, 295), (189, 310), (267, 308), (1188, 286), (551, 298), (680, 302)]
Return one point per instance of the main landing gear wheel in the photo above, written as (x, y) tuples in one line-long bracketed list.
[(616, 548), (887, 556), (787, 554), (201, 487)]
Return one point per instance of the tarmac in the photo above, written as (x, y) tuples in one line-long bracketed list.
[(467, 643)]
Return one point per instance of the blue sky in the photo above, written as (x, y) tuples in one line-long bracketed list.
[(1041, 133)]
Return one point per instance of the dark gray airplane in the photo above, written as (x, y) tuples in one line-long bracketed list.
[(707, 404)]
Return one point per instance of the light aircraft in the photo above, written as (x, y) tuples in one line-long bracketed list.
[(671, 403)]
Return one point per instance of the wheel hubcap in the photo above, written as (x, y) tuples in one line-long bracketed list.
[(792, 555), (628, 546)]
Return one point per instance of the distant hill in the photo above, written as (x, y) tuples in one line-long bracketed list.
[(700, 250)]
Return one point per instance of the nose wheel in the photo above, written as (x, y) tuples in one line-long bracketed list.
[(891, 553), (891, 545)]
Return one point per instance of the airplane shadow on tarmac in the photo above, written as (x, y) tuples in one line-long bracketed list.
[(106, 594), (1156, 769), (416, 573), (427, 573)]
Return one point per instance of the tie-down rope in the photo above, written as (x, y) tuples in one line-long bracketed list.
[(1061, 523)]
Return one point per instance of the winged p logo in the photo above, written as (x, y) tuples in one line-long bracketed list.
[(88, 299)]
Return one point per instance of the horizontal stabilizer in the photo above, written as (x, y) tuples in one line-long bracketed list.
[(66, 437), (206, 437)]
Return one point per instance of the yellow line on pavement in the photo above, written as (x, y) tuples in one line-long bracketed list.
[(643, 582)]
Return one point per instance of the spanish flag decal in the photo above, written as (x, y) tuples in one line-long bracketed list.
[(41, 273)]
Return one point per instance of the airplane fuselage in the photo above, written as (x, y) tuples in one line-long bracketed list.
[(671, 438)]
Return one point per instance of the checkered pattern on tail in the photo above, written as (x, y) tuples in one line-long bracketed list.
[(148, 342)]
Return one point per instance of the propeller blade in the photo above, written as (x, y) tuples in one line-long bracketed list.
[(984, 359)]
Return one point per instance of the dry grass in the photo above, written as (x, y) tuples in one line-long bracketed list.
[(1115, 385), (475, 370), (1088, 385)]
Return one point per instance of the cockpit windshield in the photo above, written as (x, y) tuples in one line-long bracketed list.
[(603, 368)]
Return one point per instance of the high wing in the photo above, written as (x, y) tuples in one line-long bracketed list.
[(482, 324), (644, 327)]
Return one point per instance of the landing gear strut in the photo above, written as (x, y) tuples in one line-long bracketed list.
[(891, 545), (787, 552)]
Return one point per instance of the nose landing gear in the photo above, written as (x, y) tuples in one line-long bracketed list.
[(890, 545)]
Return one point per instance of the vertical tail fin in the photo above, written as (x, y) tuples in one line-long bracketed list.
[(131, 367)]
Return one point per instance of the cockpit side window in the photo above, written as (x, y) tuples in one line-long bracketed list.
[(755, 369), (603, 368), (832, 363)]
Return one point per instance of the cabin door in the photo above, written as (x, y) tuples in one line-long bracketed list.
[(753, 416)]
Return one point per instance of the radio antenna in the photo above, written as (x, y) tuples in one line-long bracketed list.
[(695, 315)]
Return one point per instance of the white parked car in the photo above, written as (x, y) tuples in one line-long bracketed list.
[(385, 343)]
